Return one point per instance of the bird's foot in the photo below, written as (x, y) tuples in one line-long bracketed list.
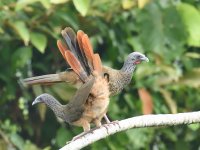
[(77, 137), (116, 122), (81, 135)]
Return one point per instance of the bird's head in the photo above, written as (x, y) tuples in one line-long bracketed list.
[(41, 98), (136, 58)]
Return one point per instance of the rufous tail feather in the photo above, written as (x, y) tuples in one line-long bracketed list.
[(61, 48), (80, 34), (87, 47), (75, 65), (97, 63), (70, 38)]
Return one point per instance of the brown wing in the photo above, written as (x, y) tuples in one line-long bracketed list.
[(75, 108)]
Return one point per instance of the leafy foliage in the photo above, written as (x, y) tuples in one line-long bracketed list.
[(166, 31)]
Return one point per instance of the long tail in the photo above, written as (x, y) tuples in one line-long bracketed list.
[(79, 54), (66, 76), (44, 79)]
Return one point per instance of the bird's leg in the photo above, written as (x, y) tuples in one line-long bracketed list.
[(86, 128), (97, 123), (106, 119)]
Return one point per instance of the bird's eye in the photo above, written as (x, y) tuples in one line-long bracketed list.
[(138, 57)]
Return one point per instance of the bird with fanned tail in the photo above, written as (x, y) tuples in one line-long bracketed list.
[(79, 45), (91, 100)]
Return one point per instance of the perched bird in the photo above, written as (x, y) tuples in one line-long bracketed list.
[(73, 112), (118, 79), (91, 100), (79, 45)]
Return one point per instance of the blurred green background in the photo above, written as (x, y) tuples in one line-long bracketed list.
[(167, 31)]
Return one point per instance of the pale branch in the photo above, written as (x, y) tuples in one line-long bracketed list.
[(134, 122)]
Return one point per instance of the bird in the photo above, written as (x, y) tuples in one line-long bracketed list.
[(118, 79), (79, 45), (91, 100), (73, 111)]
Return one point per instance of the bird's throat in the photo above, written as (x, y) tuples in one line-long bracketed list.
[(128, 68)]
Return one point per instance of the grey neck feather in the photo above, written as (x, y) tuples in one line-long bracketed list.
[(128, 67), (56, 107)]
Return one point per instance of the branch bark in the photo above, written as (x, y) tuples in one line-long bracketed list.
[(134, 122)]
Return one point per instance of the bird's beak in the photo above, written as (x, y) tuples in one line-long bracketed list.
[(37, 100), (34, 102), (145, 59)]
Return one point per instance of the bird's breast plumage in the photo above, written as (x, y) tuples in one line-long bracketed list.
[(98, 100), (117, 80)]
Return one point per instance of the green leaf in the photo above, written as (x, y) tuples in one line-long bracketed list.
[(39, 41), (143, 134), (169, 134), (62, 136), (191, 79), (82, 6), (169, 100), (30, 146), (128, 4), (150, 24), (17, 140), (161, 30), (192, 55), (191, 19), (58, 1), (21, 56), (1, 30), (46, 3), (21, 28), (23, 3), (194, 127)]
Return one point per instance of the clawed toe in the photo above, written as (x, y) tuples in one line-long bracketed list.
[(77, 137), (116, 122), (81, 135)]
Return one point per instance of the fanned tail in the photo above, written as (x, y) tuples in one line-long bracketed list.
[(78, 53), (72, 45), (93, 60)]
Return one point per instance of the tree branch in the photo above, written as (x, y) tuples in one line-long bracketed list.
[(134, 122)]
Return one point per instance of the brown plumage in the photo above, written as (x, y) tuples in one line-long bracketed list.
[(89, 105), (80, 46)]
